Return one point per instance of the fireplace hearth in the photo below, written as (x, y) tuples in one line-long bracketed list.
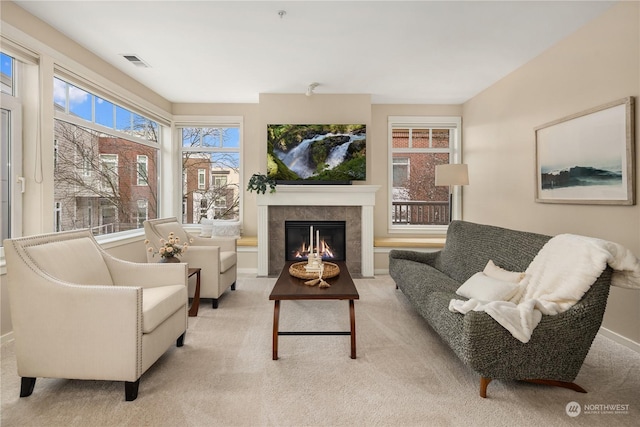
[(328, 238)]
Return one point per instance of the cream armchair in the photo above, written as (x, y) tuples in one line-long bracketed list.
[(79, 313), (217, 256)]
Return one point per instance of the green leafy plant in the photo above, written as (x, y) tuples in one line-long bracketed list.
[(259, 183)]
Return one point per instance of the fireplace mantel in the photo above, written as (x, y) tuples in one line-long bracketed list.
[(318, 195)]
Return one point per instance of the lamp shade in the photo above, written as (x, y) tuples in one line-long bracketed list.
[(452, 174)]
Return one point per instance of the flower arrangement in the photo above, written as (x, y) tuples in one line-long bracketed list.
[(169, 248)]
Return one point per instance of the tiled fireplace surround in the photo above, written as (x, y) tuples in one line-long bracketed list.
[(350, 203)]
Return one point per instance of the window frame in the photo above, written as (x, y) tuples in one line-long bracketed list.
[(202, 179), (12, 103), (181, 122), (454, 123), (135, 134)]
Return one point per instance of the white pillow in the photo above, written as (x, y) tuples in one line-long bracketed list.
[(485, 288), (499, 273)]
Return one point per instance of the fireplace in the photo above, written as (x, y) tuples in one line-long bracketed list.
[(328, 239), (351, 203)]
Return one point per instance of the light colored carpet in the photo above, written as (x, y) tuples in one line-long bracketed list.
[(404, 375)]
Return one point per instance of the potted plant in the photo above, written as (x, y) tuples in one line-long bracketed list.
[(259, 183)]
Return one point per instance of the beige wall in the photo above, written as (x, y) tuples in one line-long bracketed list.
[(597, 64)]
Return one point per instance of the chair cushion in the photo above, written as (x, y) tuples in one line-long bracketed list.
[(159, 303), (74, 261), (228, 259)]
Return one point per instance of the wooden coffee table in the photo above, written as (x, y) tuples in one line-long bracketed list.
[(288, 287)]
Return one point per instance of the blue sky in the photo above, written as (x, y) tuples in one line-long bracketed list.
[(6, 65)]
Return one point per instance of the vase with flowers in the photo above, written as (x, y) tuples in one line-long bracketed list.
[(170, 249)]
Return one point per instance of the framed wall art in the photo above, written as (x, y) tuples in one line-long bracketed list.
[(588, 157)]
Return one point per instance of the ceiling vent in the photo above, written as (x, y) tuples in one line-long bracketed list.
[(135, 60)]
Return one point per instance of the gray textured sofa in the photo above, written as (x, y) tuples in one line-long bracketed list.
[(559, 344)]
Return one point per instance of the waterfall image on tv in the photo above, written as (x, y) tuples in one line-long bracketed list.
[(317, 153)]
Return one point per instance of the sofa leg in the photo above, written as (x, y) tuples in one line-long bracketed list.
[(131, 390), (26, 386), (214, 303), (563, 384), (180, 340), (233, 286), (484, 382)]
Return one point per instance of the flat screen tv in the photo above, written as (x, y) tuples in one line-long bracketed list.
[(316, 154)]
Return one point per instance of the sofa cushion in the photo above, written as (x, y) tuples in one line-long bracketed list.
[(228, 259), (499, 273), (485, 288), (159, 303), (74, 261)]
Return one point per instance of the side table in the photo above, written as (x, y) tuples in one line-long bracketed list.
[(193, 310)]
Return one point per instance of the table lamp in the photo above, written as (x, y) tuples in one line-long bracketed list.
[(452, 174)]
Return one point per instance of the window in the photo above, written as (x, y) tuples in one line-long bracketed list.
[(204, 207), (143, 212), (219, 181), (400, 171), (106, 162), (86, 165), (211, 171), (416, 146), (11, 180), (109, 172), (143, 177), (201, 179)]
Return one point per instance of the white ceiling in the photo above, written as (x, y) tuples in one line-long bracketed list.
[(404, 52)]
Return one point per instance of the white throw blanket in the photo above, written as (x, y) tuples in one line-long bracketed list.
[(557, 278)]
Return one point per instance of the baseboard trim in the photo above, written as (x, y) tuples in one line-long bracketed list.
[(620, 339)]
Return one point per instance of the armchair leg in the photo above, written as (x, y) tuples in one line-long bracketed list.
[(214, 303), (233, 286), (484, 382), (131, 390), (26, 386), (180, 341)]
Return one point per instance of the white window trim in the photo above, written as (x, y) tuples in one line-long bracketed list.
[(180, 121), (455, 150), (17, 181)]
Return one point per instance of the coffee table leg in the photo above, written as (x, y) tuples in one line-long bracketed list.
[(352, 316), (276, 317)]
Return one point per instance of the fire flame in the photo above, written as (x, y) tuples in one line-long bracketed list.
[(325, 250)]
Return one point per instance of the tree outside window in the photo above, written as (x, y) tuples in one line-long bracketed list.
[(105, 156), (211, 173)]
